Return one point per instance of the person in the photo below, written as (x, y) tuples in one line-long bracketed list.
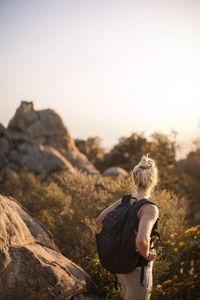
[(145, 176)]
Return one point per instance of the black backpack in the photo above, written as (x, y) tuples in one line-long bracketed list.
[(116, 245)]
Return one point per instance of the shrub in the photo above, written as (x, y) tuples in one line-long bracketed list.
[(183, 279), (106, 284), (68, 206)]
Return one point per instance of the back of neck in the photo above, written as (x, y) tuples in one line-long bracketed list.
[(141, 194)]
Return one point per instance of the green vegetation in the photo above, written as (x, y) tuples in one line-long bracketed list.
[(92, 149), (69, 204), (184, 280), (180, 177)]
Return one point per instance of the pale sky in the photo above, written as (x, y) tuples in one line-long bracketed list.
[(108, 67)]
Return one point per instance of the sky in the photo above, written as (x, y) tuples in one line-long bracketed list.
[(108, 67)]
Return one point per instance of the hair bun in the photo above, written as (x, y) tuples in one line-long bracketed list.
[(146, 163)]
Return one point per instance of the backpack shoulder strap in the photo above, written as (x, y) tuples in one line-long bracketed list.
[(126, 198), (142, 202)]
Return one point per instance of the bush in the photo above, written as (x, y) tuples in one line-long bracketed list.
[(183, 279), (68, 206), (106, 284)]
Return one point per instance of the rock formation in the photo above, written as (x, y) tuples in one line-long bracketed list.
[(31, 266), (40, 141), (115, 172)]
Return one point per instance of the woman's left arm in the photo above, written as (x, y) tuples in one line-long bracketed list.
[(104, 213), (148, 217)]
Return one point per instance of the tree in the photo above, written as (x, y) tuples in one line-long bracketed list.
[(191, 171), (163, 149), (91, 147), (192, 164), (127, 153)]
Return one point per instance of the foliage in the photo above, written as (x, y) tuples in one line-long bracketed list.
[(106, 284), (183, 280), (69, 204), (127, 152), (163, 149), (91, 148), (188, 172), (192, 164)]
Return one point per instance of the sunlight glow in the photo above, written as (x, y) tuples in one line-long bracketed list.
[(108, 67)]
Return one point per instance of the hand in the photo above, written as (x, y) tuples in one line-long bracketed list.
[(152, 255)]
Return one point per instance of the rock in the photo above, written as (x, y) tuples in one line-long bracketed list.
[(24, 117), (79, 160), (39, 158), (14, 156), (4, 132), (4, 145), (3, 160), (46, 128), (4, 139), (55, 130), (31, 266), (45, 124), (13, 167), (115, 171)]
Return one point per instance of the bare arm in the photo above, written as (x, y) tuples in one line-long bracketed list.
[(104, 213), (148, 217)]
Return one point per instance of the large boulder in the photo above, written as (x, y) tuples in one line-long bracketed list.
[(4, 139), (43, 127), (31, 266), (115, 172), (38, 158), (46, 142), (79, 161), (4, 145), (3, 160)]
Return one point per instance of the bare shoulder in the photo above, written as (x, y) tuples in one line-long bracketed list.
[(150, 210)]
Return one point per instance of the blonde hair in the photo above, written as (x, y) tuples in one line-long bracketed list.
[(145, 174)]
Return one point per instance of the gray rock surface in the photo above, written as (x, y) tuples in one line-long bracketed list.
[(39, 158), (115, 172), (4, 145), (31, 266), (3, 160), (40, 141)]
